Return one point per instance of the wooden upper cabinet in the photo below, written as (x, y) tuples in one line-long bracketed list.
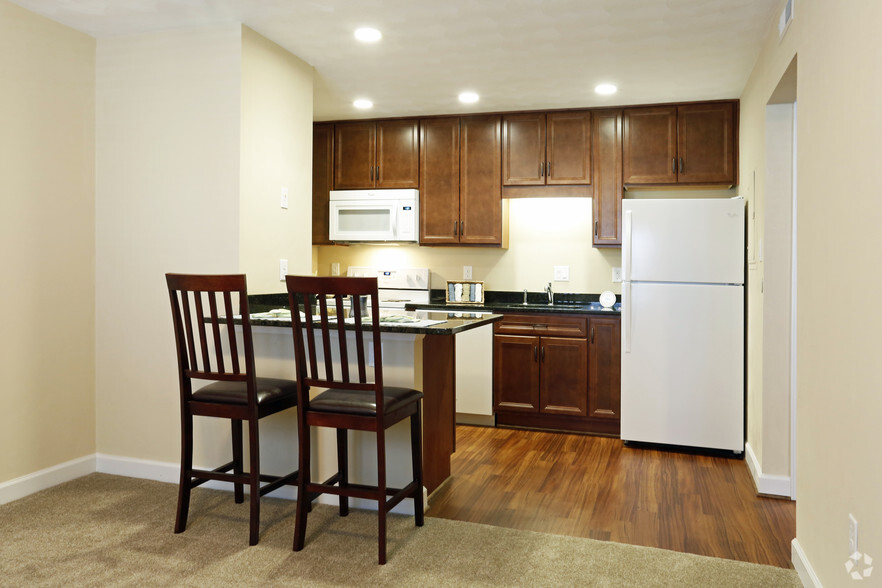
[(706, 141), (322, 181), (355, 155), (398, 154), (650, 145), (568, 147), (523, 149), (480, 189), (376, 154), (439, 181), (607, 201), (687, 144), (546, 149)]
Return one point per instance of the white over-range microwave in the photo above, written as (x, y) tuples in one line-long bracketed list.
[(375, 215)]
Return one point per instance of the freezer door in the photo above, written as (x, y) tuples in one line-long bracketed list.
[(683, 240), (683, 365)]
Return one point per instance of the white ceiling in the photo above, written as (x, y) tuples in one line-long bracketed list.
[(517, 54)]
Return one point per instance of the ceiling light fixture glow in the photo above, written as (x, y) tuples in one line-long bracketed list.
[(605, 89), (363, 103), (468, 97), (368, 35)]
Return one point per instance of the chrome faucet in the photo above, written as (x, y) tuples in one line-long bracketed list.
[(550, 293)]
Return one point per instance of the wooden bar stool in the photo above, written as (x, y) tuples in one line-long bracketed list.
[(236, 394), (352, 400)]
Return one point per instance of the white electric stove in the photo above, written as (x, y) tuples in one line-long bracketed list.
[(396, 287)]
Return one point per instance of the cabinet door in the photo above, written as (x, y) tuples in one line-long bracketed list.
[(480, 173), (516, 373), (354, 147), (563, 385), (523, 149), (439, 180), (568, 147), (706, 141), (398, 154), (322, 181), (650, 145), (604, 368), (607, 204)]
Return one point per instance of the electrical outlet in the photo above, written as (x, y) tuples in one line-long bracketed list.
[(466, 272), (616, 274), (283, 269), (561, 273), (284, 199), (335, 269), (852, 534)]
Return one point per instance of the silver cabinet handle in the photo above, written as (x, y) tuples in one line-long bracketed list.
[(541, 169), (455, 225), (535, 353), (592, 335), (462, 228), (548, 168), (674, 165), (543, 355), (681, 165), (372, 173)]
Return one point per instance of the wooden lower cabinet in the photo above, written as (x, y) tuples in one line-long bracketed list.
[(557, 372)]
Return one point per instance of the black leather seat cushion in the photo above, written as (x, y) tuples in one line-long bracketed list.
[(268, 389), (362, 402)]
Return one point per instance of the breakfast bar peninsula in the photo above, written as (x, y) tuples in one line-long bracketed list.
[(419, 351)]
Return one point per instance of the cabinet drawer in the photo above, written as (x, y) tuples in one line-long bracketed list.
[(551, 325)]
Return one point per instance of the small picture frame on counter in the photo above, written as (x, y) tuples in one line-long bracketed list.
[(465, 292)]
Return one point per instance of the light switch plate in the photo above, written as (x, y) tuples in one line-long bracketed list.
[(283, 269), (284, 199), (335, 268), (616, 274), (561, 273), (466, 272)]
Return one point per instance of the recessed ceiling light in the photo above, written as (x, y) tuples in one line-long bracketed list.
[(363, 103), (605, 89), (468, 97), (368, 35)]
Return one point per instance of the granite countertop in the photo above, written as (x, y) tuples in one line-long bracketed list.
[(512, 302), (418, 322)]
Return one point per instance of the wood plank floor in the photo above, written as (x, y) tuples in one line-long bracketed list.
[(586, 486)]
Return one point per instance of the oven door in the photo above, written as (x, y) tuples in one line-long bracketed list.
[(353, 220)]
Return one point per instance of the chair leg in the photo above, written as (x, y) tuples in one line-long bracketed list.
[(303, 478), (381, 494), (236, 426), (416, 445), (343, 467), (254, 484), (185, 483)]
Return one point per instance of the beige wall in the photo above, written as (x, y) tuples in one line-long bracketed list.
[(177, 172), (839, 139), (276, 151), (47, 242)]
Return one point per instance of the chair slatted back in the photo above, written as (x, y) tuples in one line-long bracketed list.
[(313, 332), (201, 306)]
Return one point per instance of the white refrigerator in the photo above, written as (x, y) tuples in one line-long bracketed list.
[(683, 322)]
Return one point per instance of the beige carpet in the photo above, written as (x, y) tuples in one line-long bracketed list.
[(103, 530)]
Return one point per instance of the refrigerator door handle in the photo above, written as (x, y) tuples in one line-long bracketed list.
[(626, 317), (627, 229)]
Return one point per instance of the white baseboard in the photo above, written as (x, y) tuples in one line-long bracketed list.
[(765, 483), (147, 470), (40, 480), (802, 566), (170, 472)]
